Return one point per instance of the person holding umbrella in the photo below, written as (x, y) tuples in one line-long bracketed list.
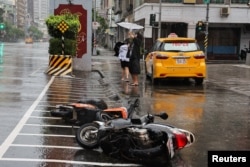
[(134, 54)]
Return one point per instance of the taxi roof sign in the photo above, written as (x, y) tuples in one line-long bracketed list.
[(172, 35)]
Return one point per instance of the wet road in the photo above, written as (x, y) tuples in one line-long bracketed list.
[(29, 135), (217, 112), (20, 67)]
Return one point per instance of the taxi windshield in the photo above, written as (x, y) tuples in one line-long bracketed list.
[(183, 46)]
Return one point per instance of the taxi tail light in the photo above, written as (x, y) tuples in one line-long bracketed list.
[(200, 56), (161, 56), (163, 74), (199, 74)]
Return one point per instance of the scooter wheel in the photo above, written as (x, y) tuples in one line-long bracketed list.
[(87, 136)]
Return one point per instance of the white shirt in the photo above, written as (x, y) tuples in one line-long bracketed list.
[(123, 53)]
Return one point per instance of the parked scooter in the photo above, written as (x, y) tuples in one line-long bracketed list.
[(88, 111), (137, 140)]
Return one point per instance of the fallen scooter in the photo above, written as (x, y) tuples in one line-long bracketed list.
[(88, 111), (137, 140)]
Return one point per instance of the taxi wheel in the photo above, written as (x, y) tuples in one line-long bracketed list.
[(198, 81), (146, 72), (152, 76)]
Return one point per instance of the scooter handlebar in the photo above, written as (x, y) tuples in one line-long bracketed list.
[(162, 115)]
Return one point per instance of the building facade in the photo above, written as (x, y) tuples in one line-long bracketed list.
[(104, 8), (9, 9), (21, 12), (41, 10), (30, 12), (228, 22), (40, 13)]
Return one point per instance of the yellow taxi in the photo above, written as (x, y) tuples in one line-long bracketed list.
[(29, 40), (176, 57)]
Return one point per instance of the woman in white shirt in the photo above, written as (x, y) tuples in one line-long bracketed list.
[(124, 61)]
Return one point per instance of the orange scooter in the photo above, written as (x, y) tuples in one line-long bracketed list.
[(88, 111)]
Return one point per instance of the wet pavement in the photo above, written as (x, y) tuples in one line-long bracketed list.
[(216, 112)]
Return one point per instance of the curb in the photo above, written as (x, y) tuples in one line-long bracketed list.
[(99, 72), (225, 62), (116, 96)]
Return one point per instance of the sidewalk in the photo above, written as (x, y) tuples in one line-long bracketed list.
[(105, 54)]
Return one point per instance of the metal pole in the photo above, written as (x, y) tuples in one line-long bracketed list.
[(94, 43), (159, 30), (62, 45), (206, 33)]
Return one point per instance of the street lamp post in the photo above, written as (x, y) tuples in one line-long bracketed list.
[(159, 30), (206, 33), (94, 43)]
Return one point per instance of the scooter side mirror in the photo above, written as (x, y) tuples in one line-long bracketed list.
[(163, 115)]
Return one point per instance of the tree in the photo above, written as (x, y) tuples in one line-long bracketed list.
[(35, 33), (1, 15), (12, 34), (103, 24)]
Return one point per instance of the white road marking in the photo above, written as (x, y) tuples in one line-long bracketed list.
[(42, 111), (9, 140), (46, 135), (46, 146), (37, 117), (57, 126), (68, 162)]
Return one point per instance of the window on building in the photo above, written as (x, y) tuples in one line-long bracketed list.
[(172, 1), (217, 1), (239, 1)]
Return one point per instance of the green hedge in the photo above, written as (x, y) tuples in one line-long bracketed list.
[(55, 47), (70, 35), (72, 21)]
